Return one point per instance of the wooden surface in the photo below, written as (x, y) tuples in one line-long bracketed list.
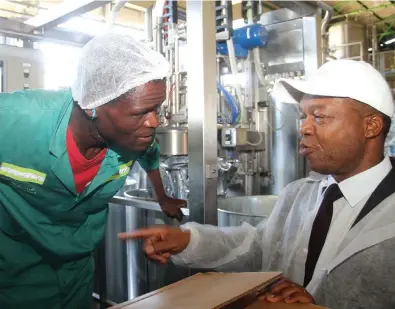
[(202, 291)]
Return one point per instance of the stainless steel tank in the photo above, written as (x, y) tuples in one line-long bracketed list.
[(286, 163), (173, 141), (348, 39), (129, 272), (251, 209)]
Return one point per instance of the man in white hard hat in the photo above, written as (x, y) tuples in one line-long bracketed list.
[(332, 233)]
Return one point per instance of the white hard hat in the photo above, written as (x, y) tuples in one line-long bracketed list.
[(343, 78)]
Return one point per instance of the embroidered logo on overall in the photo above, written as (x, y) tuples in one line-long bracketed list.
[(124, 169)]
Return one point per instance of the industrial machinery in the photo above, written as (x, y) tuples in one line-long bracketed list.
[(20, 68), (222, 133)]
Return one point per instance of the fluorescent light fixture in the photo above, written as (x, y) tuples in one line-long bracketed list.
[(389, 41), (94, 27)]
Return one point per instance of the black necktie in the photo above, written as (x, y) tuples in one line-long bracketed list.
[(320, 229)]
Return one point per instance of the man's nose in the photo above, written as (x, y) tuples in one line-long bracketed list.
[(307, 127), (152, 120)]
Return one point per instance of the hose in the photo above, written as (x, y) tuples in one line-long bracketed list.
[(233, 68), (235, 111)]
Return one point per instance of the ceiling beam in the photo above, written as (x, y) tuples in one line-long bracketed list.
[(62, 12), (21, 31), (364, 10), (374, 13)]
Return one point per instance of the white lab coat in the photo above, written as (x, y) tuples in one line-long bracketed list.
[(280, 243)]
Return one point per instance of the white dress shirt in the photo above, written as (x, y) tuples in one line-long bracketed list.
[(356, 191)]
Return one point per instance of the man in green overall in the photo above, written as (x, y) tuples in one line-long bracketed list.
[(63, 156)]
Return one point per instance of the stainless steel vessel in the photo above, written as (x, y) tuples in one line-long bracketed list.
[(173, 141), (251, 209), (347, 39)]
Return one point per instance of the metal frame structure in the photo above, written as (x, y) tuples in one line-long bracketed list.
[(202, 111), (62, 12), (22, 31)]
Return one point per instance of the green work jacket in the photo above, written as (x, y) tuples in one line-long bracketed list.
[(47, 231)]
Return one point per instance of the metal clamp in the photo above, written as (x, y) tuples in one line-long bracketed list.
[(211, 171)]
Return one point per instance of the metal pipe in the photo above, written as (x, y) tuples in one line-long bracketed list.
[(157, 27), (327, 18), (361, 51), (148, 23), (177, 73), (172, 82), (157, 30), (249, 184), (115, 12), (219, 105), (374, 44)]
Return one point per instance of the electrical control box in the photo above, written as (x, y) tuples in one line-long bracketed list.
[(244, 139)]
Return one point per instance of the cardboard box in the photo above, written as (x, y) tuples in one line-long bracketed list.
[(212, 291)]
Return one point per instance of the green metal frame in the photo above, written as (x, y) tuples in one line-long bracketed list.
[(360, 11), (389, 21)]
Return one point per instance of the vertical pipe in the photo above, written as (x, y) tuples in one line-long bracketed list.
[(249, 184), (172, 80), (177, 72), (202, 120), (374, 45), (361, 51), (219, 105), (328, 16), (157, 28), (148, 23)]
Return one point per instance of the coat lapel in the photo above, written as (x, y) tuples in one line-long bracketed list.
[(366, 231), (60, 163)]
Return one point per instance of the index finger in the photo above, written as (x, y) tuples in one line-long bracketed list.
[(141, 233)]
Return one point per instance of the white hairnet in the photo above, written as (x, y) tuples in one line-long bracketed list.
[(110, 65)]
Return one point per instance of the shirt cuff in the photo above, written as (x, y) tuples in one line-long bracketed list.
[(185, 257)]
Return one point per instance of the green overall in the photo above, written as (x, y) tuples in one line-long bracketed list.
[(47, 231)]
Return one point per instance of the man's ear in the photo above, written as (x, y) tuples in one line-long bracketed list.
[(373, 126)]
